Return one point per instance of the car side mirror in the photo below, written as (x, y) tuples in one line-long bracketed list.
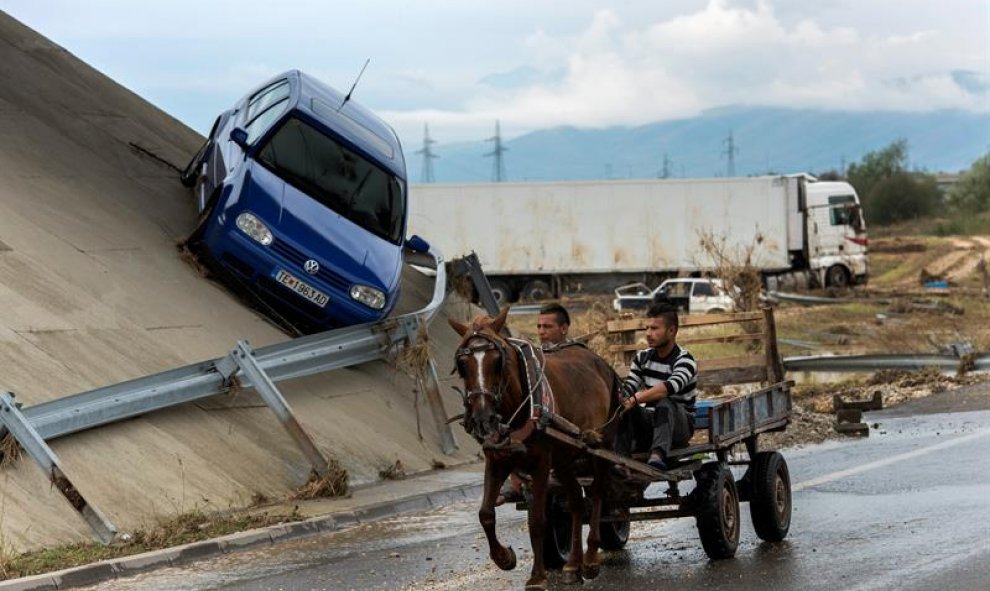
[(240, 137), (417, 244)]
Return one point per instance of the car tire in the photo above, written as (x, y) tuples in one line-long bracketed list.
[(770, 496), (614, 534), (716, 510)]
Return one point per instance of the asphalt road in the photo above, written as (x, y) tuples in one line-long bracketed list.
[(907, 508)]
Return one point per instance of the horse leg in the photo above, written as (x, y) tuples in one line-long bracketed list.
[(538, 522), (495, 474), (592, 560), (572, 570)]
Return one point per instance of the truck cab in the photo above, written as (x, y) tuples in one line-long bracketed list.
[(693, 295), (837, 242)]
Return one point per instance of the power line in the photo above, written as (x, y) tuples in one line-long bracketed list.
[(498, 170), (428, 156)]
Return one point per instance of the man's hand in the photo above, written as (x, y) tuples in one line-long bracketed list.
[(630, 402)]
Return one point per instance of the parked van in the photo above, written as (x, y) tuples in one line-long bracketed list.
[(302, 198)]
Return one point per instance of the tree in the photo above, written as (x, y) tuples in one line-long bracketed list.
[(972, 193), (888, 191)]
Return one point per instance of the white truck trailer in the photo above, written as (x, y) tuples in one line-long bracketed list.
[(538, 240)]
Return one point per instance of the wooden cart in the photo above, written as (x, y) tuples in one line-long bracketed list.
[(720, 424)]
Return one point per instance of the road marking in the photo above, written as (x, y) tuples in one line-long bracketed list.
[(890, 460)]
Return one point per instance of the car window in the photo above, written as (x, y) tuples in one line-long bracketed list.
[(703, 288), (265, 98), (337, 177), (678, 290), (265, 119)]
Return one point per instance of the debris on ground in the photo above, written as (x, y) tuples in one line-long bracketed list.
[(395, 471), (813, 420), (336, 483)]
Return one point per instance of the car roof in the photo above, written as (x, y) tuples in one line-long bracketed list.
[(355, 123)]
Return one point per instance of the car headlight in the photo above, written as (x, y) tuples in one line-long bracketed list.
[(249, 223), (369, 296)]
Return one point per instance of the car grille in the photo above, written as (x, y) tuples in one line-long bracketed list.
[(299, 258)]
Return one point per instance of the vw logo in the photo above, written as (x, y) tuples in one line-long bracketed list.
[(312, 267)]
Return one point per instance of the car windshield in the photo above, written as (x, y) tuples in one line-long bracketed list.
[(337, 177)]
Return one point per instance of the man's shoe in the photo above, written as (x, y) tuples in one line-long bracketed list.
[(509, 494), (656, 461)]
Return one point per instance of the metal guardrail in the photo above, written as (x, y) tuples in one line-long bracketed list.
[(853, 363), (260, 369)]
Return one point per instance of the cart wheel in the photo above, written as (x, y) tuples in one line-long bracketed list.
[(557, 539), (770, 502), (716, 510), (614, 534)]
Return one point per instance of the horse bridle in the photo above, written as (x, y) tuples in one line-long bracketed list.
[(489, 344)]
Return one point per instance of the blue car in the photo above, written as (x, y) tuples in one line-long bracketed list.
[(302, 200)]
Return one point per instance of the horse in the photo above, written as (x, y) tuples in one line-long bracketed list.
[(503, 412)]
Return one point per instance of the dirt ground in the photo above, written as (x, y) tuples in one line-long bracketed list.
[(894, 314)]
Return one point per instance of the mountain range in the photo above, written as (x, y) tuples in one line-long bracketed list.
[(763, 139)]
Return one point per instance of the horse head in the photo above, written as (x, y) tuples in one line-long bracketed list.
[(483, 361)]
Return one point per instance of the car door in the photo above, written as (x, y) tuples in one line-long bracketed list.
[(255, 115), (702, 297)]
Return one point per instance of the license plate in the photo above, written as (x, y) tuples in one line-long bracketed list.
[(307, 291)]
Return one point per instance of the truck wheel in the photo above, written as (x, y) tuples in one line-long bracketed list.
[(557, 537), (770, 501), (716, 510), (535, 290), (614, 534), (190, 175), (837, 276), (501, 291)]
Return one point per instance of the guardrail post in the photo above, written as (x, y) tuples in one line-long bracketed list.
[(485, 295), (29, 439), (243, 356)]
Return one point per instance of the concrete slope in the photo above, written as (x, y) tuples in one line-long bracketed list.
[(92, 292)]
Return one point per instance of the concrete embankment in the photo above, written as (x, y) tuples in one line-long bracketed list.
[(93, 292)]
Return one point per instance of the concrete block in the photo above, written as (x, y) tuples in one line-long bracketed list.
[(196, 551), (287, 531), (345, 519), (129, 565), (860, 429), (84, 575), (849, 415), (245, 539), (391, 508), (323, 522), (43, 582), (445, 497)]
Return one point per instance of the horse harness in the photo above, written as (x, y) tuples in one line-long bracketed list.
[(539, 395)]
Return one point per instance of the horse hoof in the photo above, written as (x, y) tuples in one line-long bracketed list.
[(590, 571), (536, 585), (506, 560), (570, 575)]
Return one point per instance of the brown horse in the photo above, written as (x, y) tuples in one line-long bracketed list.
[(498, 380)]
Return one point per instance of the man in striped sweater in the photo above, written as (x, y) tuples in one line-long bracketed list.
[(659, 391)]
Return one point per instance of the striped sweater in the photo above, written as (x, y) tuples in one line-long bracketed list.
[(678, 371)]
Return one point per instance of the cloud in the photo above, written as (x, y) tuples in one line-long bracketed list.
[(626, 73)]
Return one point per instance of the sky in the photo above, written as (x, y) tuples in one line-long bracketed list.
[(460, 65)]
